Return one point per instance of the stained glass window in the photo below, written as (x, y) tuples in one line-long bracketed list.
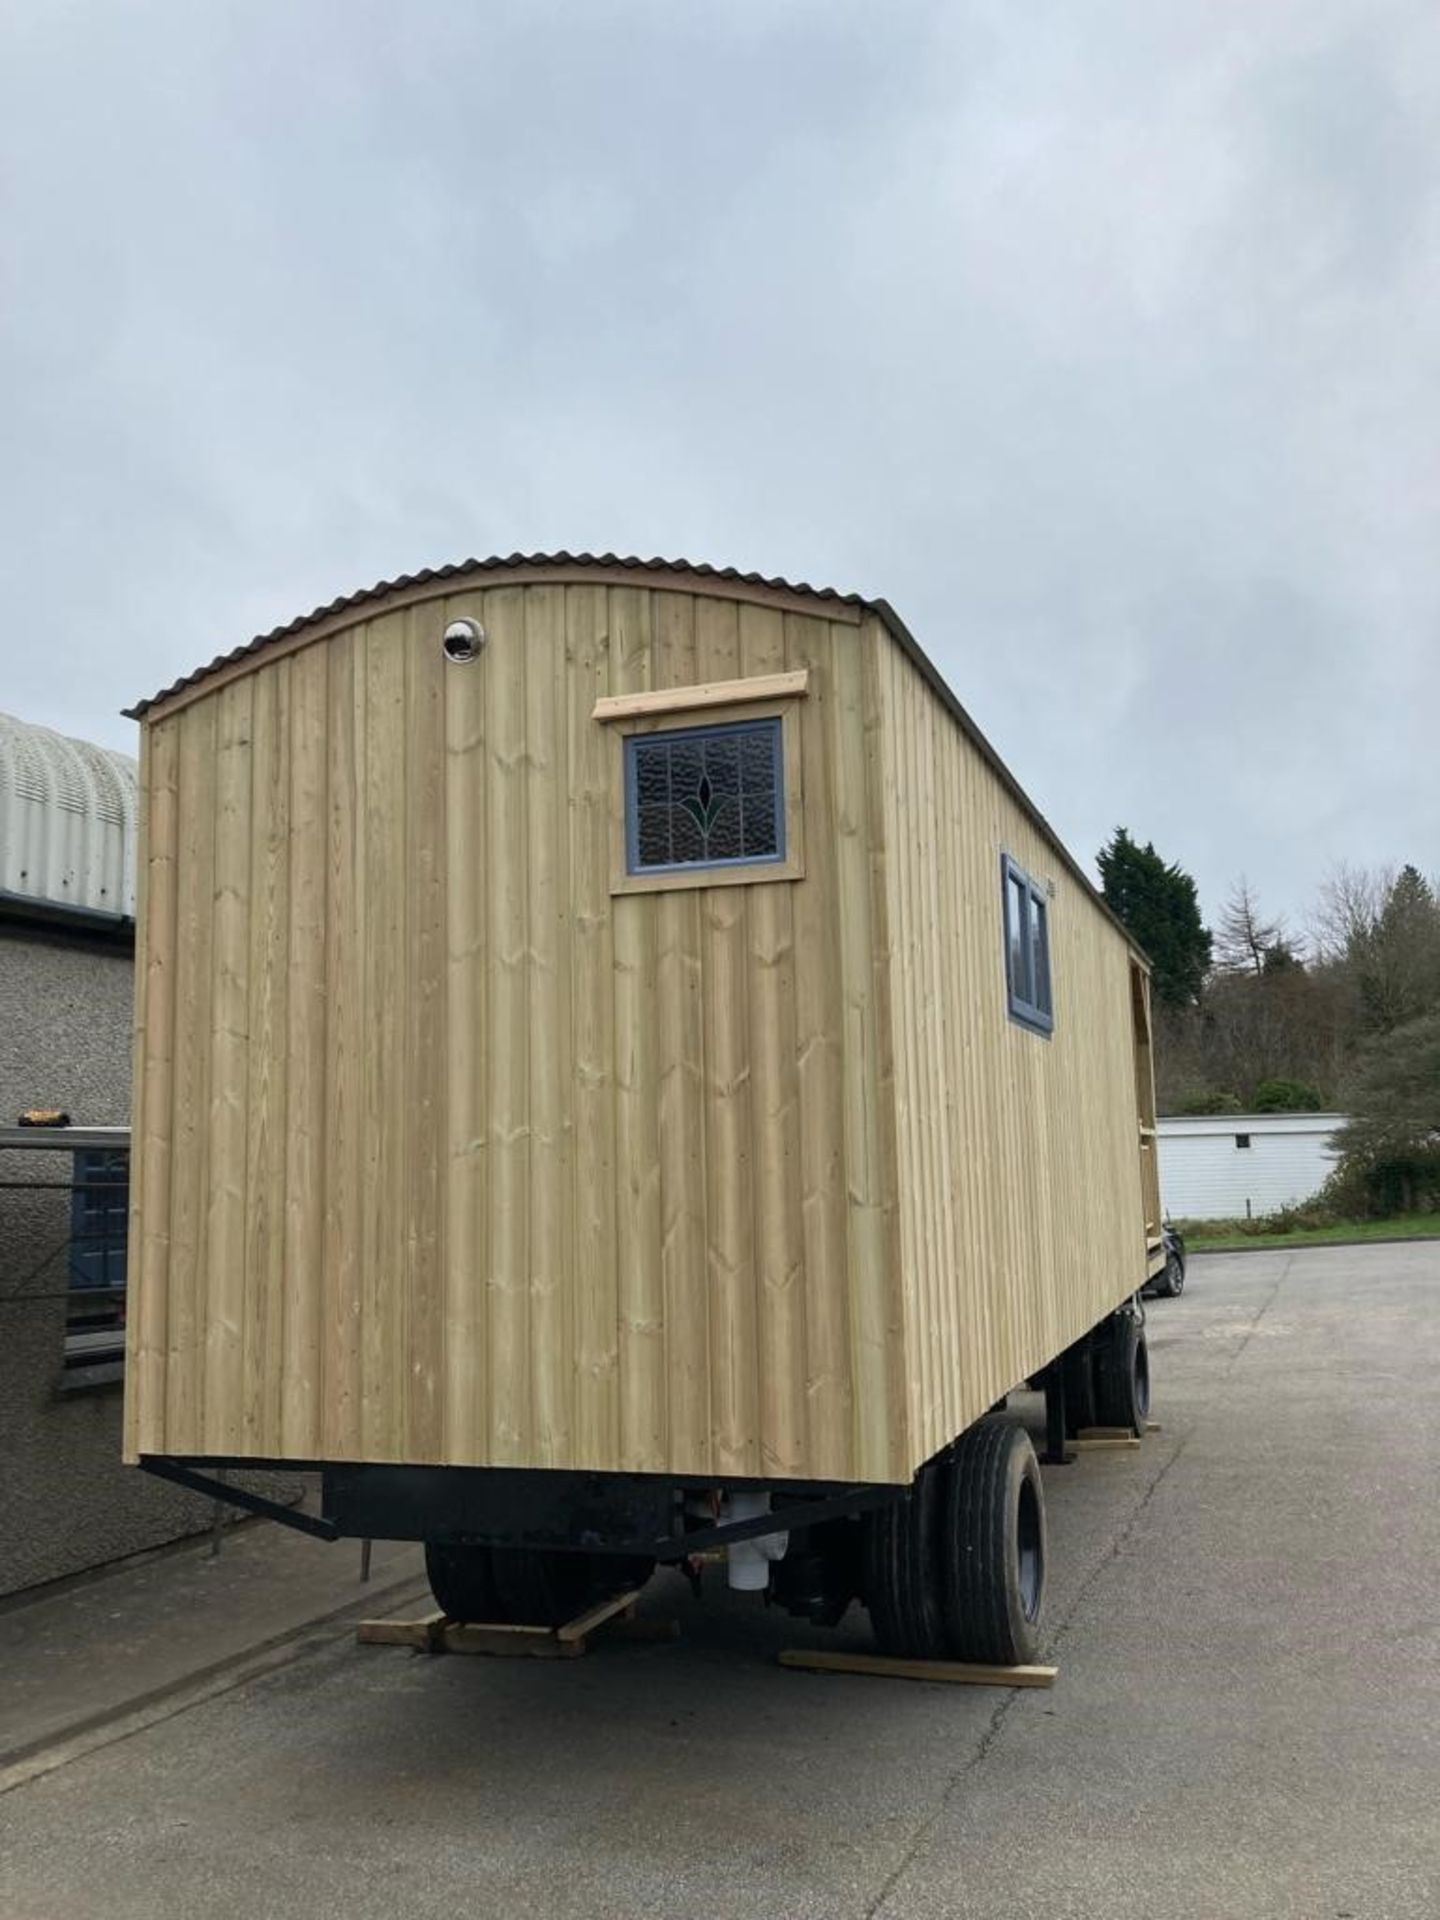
[(704, 797)]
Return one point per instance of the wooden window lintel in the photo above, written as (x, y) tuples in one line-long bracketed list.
[(696, 699)]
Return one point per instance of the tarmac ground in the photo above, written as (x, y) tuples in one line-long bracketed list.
[(1246, 1721)]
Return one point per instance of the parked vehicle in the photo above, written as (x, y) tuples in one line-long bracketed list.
[(1169, 1283), (624, 1070)]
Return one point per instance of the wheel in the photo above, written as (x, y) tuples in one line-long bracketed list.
[(545, 1587), (1077, 1363), (902, 1587), (991, 1546), (885, 1529), (462, 1580), (1122, 1373), (921, 1597), (524, 1585), (955, 1568), (1171, 1283)]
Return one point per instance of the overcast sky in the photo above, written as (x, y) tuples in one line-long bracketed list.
[(1100, 338)]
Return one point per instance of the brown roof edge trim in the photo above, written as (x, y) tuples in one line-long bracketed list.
[(899, 632)]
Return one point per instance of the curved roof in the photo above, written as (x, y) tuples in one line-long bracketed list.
[(67, 822), (461, 570), (579, 564)]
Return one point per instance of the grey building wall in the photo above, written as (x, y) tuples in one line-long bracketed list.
[(66, 1503)]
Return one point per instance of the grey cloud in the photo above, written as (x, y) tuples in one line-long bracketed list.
[(1097, 337)]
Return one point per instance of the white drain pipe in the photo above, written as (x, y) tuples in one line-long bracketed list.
[(748, 1561)]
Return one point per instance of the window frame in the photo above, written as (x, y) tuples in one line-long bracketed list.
[(773, 726), (1027, 1009), (692, 710)]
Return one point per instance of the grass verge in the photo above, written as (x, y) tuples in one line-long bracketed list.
[(1228, 1236)]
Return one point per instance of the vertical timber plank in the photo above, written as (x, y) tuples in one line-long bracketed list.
[(423, 1118), (345, 1044), (190, 1121), (550, 1281), (912, 1116), (881, 1436), (680, 1071), (728, 1138), (466, 1394), (130, 1417), (264, 1241), (939, 1255), (508, 1023), (149, 1257), (883, 1015), (775, 1123), (596, 1426), (829, 1400), (960, 1382), (637, 1145), (384, 814), (306, 1019), (224, 1274)]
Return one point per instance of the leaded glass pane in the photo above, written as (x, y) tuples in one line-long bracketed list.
[(652, 777), (705, 796), (654, 837), (687, 843)]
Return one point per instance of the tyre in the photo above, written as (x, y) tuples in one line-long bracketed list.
[(1170, 1284), (1077, 1364), (545, 1587), (885, 1530), (462, 1581), (991, 1541), (526, 1586), (955, 1568), (1122, 1373), (921, 1583)]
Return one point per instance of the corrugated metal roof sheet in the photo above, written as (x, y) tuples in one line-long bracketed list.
[(496, 563), (67, 821)]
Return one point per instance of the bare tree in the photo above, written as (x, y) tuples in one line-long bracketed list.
[(1349, 908), (1379, 929), (1245, 940)]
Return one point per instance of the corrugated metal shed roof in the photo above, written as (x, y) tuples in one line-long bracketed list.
[(463, 570), (496, 563), (67, 822)]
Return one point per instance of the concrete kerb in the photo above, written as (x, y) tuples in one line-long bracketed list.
[(32, 1761)]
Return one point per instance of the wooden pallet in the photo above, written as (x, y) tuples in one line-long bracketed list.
[(1116, 1439), (953, 1673), (437, 1633)]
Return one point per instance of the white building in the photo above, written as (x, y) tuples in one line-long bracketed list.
[(1228, 1166)]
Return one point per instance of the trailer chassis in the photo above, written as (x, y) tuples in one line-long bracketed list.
[(549, 1508)]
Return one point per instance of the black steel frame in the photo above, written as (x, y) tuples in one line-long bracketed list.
[(185, 1476), (567, 1511)]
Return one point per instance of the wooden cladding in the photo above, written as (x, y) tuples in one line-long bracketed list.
[(448, 1154), (1020, 1204), (453, 1147)]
